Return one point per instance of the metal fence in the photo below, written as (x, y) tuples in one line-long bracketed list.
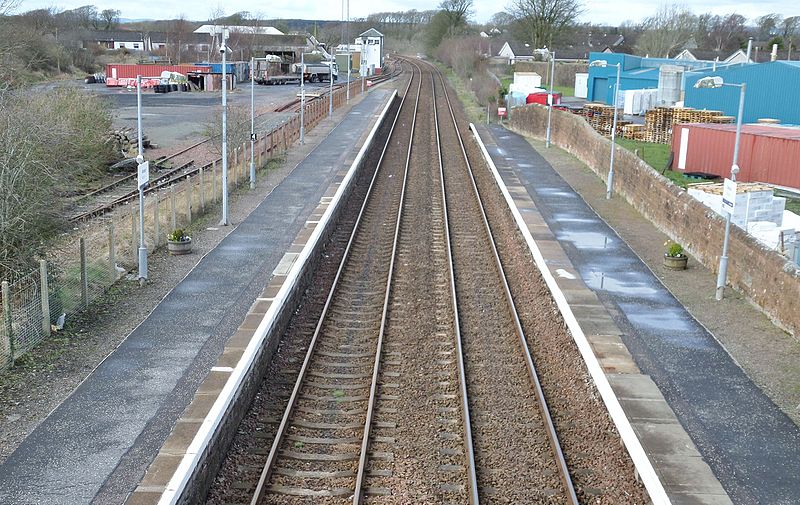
[(42, 300)]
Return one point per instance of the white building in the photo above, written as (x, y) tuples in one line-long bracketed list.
[(371, 42)]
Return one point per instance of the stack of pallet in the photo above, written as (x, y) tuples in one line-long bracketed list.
[(633, 131), (659, 121), (601, 118)]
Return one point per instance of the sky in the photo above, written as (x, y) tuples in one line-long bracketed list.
[(612, 12)]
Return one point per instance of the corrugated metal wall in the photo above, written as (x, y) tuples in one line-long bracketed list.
[(773, 91), (762, 158)]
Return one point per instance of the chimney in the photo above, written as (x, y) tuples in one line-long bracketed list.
[(749, 48), (774, 55)]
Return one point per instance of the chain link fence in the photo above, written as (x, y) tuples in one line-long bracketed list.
[(35, 304)]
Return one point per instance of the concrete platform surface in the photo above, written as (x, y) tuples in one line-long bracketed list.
[(751, 446), (107, 431)]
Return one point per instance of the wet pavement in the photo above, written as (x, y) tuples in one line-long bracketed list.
[(749, 443), (113, 424)]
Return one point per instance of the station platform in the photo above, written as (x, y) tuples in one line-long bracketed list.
[(740, 447), (96, 445)]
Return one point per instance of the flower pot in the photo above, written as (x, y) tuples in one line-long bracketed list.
[(179, 247), (676, 262)]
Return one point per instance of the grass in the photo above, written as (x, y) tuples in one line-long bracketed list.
[(655, 155), (472, 108)]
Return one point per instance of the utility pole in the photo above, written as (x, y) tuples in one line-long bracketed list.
[(302, 97), (252, 123), (141, 184)]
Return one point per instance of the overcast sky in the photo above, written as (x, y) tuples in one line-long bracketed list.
[(612, 12)]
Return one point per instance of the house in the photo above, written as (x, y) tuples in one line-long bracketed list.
[(515, 51), (738, 57), (115, 39)]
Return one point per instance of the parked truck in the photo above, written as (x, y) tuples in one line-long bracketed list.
[(317, 72), (273, 71)]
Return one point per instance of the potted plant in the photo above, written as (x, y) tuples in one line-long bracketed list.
[(178, 242), (674, 258)]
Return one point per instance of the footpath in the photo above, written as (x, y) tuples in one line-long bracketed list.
[(671, 324)]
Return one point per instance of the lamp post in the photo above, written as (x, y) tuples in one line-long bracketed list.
[(252, 123), (302, 97), (550, 96), (330, 82), (610, 181), (347, 41), (140, 160), (717, 82), (224, 49)]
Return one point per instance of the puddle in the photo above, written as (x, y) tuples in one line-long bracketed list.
[(587, 239), (545, 191), (672, 325), (616, 284)]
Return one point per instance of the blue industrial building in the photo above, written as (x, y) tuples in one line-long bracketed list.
[(637, 73), (773, 91)]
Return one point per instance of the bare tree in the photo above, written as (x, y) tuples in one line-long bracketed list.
[(725, 31), (110, 17), (667, 31), (179, 32), (457, 13), (543, 20), (767, 25)]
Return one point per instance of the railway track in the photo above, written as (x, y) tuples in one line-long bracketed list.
[(408, 377), (124, 190), (481, 422)]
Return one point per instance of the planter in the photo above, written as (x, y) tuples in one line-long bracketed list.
[(179, 247), (676, 262)]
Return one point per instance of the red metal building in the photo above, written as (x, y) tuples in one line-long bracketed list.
[(121, 74), (767, 153)]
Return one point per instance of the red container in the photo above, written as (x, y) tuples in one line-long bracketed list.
[(126, 71), (768, 154), (541, 98)]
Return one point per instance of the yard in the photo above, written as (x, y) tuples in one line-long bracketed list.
[(657, 156)]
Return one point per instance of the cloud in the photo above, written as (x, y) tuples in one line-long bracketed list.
[(596, 11)]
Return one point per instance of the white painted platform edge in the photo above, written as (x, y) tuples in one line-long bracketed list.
[(213, 419), (640, 460)]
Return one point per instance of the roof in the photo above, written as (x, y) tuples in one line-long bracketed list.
[(372, 32), (115, 35), (775, 131), (520, 49), (263, 30)]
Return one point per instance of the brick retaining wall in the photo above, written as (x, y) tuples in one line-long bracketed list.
[(764, 276)]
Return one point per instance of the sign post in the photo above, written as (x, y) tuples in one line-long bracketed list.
[(143, 180)]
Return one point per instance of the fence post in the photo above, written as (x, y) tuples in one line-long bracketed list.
[(112, 253), (188, 201), (45, 291), (172, 204), (8, 344), (202, 191), (214, 181), (157, 221), (84, 275)]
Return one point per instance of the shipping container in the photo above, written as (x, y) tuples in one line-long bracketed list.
[(541, 98), (130, 71), (767, 153)]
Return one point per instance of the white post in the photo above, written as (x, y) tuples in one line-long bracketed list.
[(722, 275), (613, 137), (45, 292), (302, 97), (224, 51), (142, 245), (347, 41), (330, 83), (252, 124), (550, 96)]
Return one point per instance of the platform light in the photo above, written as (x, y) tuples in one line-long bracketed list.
[(602, 64), (718, 82)]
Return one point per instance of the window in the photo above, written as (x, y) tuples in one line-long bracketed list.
[(135, 45)]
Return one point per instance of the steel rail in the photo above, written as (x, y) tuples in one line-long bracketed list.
[(545, 411), (268, 466), (362, 461), (469, 449)]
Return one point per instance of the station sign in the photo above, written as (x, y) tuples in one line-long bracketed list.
[(144, 174), (728, 196)]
